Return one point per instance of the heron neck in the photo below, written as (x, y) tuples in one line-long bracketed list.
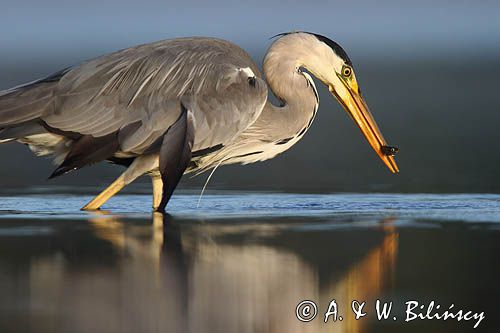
[(291, 85)]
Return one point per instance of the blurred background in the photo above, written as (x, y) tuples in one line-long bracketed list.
[(428, 69)]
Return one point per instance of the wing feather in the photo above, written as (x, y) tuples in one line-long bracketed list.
[(145, 85)]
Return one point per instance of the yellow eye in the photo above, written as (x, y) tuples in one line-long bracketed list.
[(346, 71)]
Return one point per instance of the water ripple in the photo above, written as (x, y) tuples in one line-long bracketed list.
[(456, 207)]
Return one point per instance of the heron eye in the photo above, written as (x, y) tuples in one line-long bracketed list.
[(346, 71)]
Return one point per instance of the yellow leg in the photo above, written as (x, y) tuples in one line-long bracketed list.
[(140, 166), (157, 191), (105, 195)]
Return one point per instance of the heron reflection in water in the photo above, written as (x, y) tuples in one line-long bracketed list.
[(185, 275), (184, 105)]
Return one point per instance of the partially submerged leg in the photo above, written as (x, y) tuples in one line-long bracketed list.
[(157, 190), (140, 166), (175, 154), (104, 196)]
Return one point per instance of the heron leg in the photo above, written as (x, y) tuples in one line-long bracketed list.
[(157, 190), (139, 166), (105, 195)]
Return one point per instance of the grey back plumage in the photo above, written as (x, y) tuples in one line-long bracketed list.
[(137, 93)]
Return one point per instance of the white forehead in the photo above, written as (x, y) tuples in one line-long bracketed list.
[(331, 56)]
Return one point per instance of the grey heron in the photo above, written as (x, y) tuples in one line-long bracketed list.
[(183, 105)]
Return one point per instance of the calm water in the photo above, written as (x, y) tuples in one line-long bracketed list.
[(241, 262)]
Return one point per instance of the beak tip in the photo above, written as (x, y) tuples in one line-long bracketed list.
[(395, 169), (390, 162)]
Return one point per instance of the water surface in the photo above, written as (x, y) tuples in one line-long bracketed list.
[(241, 262)]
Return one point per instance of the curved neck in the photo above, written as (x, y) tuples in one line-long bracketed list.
[(283, 68)]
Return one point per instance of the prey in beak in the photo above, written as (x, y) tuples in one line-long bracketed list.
[(348, 94)]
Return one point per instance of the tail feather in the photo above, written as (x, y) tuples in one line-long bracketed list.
[(29, 101), (20, 131), (26, 104)]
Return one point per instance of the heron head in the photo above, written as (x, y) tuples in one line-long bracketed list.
[(329, 62)]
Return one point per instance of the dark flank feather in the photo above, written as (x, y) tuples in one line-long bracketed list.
[(88, 150), (175, 154)]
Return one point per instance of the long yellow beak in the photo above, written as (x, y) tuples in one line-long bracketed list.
[(355, 105)]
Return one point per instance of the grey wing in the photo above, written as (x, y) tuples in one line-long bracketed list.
[(134, 95)]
